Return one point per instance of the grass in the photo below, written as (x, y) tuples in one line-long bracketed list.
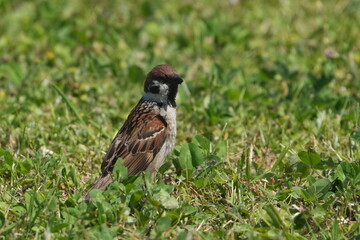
[(268, 119)]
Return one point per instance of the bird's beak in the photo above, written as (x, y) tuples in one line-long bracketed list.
[(178, 79)]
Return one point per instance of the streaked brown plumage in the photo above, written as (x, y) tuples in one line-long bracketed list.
[(148, 134)]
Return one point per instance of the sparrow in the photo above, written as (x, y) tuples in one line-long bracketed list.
[(148, 135)]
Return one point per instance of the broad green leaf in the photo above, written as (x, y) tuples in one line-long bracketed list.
[(82, 207), (348, 170), (9, 160), (120, 171), (104, 232), (25, 166), (320, 187), (96, 195), (73, 176), (174, 214), (327, 195), (221, 148), (166, 166), (182, 235), (166, 200), (74, 212), (357, 179), (310, 158), (339, 173), (319, 213), (203, 142), (311, 180), (136, 198), (233, 94), (188, 210), (306, 195), (53, 202), (58, 227), (329, 163), (197, 155), (302, 170), (154, 202), (101, 204), (19, 210), (148, 181), (163, 224), (184, 160)]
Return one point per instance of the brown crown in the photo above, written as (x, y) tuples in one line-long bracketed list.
[(160, 71)]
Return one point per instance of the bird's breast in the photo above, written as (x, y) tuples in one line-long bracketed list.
[(170, 117)]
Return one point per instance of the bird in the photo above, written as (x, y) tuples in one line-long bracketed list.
[(148, 135)]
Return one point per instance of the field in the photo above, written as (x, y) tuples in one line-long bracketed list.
[(268, 143)]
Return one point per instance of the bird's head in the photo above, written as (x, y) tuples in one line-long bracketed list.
[(161, 84)]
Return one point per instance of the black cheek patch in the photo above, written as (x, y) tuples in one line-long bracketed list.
[(155, 89)]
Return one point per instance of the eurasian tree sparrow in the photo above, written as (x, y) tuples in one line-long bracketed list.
[(148, 134)]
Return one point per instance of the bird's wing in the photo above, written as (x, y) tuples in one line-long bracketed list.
[(137, 142)]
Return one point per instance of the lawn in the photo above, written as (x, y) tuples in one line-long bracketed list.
[(268, 143)]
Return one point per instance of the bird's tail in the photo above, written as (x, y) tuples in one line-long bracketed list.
[(100, 184)]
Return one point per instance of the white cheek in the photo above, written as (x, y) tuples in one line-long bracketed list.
[(164, 89), (161, 97)]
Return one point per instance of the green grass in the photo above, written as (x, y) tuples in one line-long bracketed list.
[(268, 142)]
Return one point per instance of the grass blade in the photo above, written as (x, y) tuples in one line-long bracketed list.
[(279, 159), (73, 109)]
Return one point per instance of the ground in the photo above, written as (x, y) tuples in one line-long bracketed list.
[(268, 118)]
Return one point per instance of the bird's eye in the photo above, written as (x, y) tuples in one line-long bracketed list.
[(155, 89)]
